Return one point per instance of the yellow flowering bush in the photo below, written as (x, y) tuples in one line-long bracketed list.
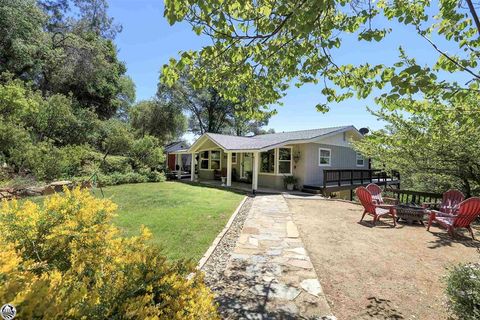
[(66, 260)]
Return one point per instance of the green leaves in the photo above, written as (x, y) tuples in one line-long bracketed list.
[(440, 139), (266, 45)]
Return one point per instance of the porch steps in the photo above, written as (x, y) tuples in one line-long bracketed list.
[(312, 189)]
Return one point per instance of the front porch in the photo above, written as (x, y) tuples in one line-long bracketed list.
[(246, 169), (239, 186)]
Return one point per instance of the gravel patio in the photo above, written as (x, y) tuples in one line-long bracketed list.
[(379, 272)]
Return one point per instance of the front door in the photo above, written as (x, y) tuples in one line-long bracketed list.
[(246, 166)]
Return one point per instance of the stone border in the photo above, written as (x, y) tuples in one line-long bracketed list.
[(220, 236)]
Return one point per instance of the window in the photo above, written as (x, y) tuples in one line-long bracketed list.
[(285, 160), (234, 158), (360, 160), (324, 157), (215, 160), (267, 161), (204, 160)]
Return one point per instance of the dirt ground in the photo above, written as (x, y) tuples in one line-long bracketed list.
[(379, 272)]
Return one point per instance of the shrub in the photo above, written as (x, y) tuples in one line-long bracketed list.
[(155, 176), (74, 160), (115, 137), (463, 291), (67, 260), (147, 152), (115, 164), (43, 160)]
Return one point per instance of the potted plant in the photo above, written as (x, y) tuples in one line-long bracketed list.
[(289, 182)]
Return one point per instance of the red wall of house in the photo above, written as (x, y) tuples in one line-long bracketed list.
[(171, 161)]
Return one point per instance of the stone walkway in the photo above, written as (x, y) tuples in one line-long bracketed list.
[(269, 274)]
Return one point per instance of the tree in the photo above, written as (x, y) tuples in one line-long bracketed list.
[(208, 111), (87, 66), (270, 44), (126, 97), (159, 119), (94, 18), (146, 151), (242, 125), (435, 146), (45, 45), (22, 40), (116, 138)]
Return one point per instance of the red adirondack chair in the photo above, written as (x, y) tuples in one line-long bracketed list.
[(372, 208), (376, 192), (450, 201), (468, 210)]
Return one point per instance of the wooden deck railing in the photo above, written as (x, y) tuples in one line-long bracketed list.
[(339, 177), (417, 197)]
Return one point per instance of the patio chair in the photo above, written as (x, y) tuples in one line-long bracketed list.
[(376, 192), (468, 210), (372, 208), (450, 201)]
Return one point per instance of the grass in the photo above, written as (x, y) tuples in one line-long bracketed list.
[(184, 219)]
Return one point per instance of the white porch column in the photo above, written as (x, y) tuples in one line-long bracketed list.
[(255, 172), (178, 160), (192, 167), (229, 169)]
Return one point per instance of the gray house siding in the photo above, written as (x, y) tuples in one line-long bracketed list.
[(306, 169), (341, 158)]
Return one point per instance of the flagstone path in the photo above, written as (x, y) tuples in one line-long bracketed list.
[(269, 274)]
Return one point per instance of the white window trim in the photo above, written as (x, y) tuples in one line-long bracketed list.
[(278, 162), (275, 157), (211, 160), (201, 159), (319, 153), (361, 158), (236, 155)]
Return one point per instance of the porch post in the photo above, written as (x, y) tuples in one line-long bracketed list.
[(255, 173), (229, 169), (192, 167), (178, 158)]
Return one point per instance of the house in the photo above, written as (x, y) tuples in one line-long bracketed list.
[(175, 160), (318, 158)]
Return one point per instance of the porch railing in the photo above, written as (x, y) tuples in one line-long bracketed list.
[(341, 177), (417, 197)]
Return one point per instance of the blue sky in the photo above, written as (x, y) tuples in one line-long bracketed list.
[(148, 41)]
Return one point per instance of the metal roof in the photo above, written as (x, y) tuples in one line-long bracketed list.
[(271, 140)]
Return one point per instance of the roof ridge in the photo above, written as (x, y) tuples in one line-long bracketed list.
[(226, 135), (326, 128)]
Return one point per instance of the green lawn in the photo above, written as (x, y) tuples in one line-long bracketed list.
[(184, 219)]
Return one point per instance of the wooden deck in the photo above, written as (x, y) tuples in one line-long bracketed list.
[(348, 179)]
